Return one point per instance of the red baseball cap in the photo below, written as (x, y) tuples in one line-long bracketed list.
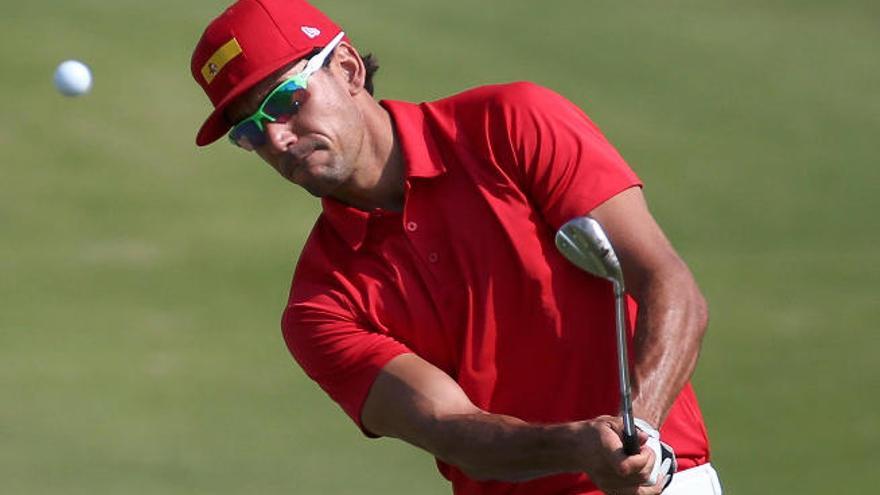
[(248, 42)]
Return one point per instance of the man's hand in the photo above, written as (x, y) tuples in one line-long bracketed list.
[(610, 468)]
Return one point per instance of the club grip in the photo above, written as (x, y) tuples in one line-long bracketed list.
[(631, 443)]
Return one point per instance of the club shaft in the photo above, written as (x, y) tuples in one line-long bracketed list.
[(630, 441)]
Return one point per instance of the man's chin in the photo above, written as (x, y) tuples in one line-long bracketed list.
[(319, 175), (316, 192), (318, 189)]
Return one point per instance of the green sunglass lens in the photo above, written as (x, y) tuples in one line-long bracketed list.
[(283, 101)]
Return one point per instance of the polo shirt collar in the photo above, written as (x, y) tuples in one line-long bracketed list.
[(420, 153), (347, 221), (421, 158)]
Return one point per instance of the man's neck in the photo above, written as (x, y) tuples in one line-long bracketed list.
[(378, 181)]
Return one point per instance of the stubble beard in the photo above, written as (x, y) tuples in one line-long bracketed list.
[(327, 178)]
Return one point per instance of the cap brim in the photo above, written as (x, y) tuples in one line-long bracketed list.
[(216, 125)]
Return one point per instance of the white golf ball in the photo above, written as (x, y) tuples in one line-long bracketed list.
[(73, 78)]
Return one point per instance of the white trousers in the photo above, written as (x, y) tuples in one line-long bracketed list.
[(700, 480)]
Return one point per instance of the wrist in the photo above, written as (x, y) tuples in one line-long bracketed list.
[(647, 427), (648, 412)]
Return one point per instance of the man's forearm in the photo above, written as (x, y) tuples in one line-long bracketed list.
[(497, 447), (416, 402), (669, 330)]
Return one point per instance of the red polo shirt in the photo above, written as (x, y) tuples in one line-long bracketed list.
[(468, 276)]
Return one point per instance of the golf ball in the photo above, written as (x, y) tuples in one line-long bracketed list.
[(73, 78)]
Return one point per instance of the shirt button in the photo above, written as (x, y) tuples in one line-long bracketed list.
[(433, 257), (412, 226)]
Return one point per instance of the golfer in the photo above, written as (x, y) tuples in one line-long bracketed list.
[(429, 301)]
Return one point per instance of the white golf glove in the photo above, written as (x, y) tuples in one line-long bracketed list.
[(664, 456)]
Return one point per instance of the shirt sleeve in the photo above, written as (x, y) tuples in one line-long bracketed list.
[(336, 350), (560, 157)]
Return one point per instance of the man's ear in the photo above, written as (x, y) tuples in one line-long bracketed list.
[(351, 67)]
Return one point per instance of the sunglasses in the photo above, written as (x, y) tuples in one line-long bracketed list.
[(282, 103)]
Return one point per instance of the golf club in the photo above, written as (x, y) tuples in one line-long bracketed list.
[(583, 242)]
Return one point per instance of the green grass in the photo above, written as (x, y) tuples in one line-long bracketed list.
[(142, 279)]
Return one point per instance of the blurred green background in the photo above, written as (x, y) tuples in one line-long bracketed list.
[(142, 279)]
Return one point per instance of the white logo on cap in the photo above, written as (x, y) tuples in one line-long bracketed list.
[(311, 32)]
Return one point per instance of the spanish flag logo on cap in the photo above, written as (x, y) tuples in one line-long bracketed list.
[(219, 59)]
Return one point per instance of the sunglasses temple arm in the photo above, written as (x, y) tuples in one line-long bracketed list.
[(317, 61)]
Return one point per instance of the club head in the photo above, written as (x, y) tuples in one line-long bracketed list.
[(583, 242)]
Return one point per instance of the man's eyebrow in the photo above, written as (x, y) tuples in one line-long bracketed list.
[(263, 93), (252, 105)]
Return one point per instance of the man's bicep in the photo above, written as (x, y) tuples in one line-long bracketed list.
[(408, 396), (638, 240)]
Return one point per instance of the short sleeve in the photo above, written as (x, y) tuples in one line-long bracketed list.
[(337, 351), (560, 157)]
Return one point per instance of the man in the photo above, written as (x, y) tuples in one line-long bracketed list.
[(429, 300)]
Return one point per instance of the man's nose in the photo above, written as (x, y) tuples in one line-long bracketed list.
[(279, 136)]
